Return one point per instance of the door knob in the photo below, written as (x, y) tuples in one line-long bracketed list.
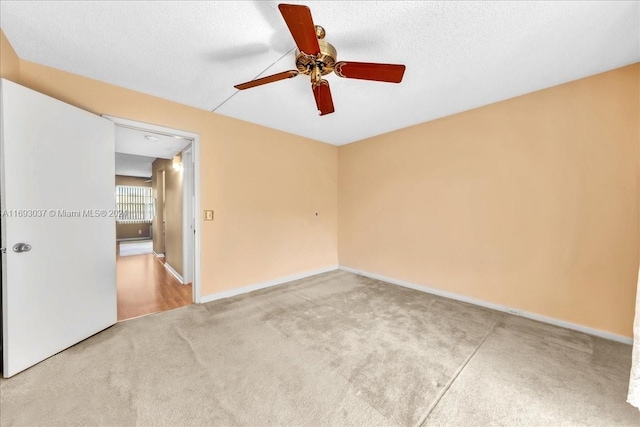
[(21, 247)]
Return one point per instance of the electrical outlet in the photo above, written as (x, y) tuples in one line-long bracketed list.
[(140, 232), (208, 215)]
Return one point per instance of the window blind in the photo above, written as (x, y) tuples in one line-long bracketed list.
[(134, 204)]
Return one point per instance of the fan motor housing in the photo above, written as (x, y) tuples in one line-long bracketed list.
[(324, 61)]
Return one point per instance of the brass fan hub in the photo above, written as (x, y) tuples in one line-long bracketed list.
[(323, 62)]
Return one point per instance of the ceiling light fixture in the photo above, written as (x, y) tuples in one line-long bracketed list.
[(177, 162), (316, 58)]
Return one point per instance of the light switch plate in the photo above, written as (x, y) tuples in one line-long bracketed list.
[(208, 215)]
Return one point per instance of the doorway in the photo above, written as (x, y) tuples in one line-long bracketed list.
[(156, 197)]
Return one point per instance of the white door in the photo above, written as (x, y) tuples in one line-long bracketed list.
[(57, 190)]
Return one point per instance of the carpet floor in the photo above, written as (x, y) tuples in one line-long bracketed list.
[(334, 349)]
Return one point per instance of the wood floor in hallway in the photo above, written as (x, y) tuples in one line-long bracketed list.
[(145, 286)]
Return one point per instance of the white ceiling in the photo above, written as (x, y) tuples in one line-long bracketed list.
[(149, 144), (136, 150), (459, 55)]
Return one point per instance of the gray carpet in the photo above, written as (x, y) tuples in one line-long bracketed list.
[(334, 349)]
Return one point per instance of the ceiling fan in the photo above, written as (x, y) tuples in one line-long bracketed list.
[(316, 58)]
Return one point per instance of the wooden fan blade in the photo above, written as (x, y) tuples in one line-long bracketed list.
[(268, 79), (300, 23), (322, 93), (391, 73)]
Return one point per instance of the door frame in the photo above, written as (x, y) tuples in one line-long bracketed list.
[(188, 214), (195, 150)]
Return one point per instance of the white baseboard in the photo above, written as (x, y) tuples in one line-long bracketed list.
[(175, 273), (498, 307), (158, 255), (274, 282)]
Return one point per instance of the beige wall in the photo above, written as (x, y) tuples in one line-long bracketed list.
[(264, 185), (531, 203), (172, 198), (158, 194), (132, 231), (173, 221), (9, 61), (132, 180), (173, 232)]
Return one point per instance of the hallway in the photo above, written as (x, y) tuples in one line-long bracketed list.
[(145, 286)]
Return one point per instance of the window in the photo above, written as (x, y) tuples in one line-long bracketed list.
[(134, 204)]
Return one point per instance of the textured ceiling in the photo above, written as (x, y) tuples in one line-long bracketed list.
[(459, 55)]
